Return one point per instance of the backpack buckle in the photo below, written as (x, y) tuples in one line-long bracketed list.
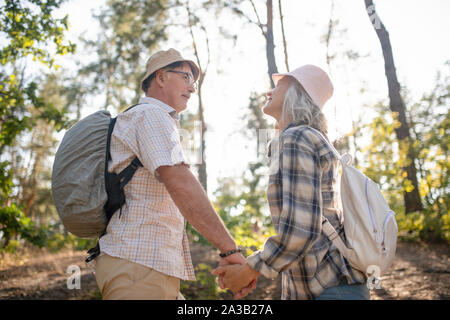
[(93, 253), (135, 164)]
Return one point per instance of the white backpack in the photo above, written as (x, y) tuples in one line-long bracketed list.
[(369, 224)]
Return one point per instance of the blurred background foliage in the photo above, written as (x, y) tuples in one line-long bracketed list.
[(31, 115)]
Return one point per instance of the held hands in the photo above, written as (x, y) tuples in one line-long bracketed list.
[(236, 275)]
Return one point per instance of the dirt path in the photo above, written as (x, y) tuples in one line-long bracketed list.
[(420, 271), (38, 274)]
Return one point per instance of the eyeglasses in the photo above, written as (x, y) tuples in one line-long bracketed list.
[(187, 78)]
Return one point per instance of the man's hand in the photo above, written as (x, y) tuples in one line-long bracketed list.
[(237, 258), (240, 279)]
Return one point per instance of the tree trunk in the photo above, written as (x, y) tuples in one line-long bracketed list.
[(201, 169), (202, 176), (396, 104), (267, 31), (270, 46)]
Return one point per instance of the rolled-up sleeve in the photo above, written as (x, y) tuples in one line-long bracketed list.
[(299, 223), (158, 140)]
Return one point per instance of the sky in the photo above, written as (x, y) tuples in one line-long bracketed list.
[(418, 32)]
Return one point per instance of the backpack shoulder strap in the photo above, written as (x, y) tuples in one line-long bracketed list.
[(112, 123), (336, 153), (327, 227), (126, 174), (134, 105), (333, 236)]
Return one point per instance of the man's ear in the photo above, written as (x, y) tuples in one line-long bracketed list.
[(159, 78)]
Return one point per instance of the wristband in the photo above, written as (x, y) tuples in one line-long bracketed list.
[(229, 253)]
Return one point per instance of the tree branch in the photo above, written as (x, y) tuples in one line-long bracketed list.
[(259, 24), (283, 36)]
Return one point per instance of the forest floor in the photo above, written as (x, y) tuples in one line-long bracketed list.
[(420, 271)]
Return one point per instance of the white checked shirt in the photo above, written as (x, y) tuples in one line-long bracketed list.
[(151, 230)]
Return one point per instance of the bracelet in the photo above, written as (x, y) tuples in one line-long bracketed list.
[(229, 253)]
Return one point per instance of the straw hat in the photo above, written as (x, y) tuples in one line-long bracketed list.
[(162, 59)]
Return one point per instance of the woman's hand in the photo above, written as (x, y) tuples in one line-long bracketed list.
[(239, 278), (231, 260)]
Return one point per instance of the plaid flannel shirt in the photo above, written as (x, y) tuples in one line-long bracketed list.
[(302, 188)]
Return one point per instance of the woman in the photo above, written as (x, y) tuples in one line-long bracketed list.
[(302, 190)]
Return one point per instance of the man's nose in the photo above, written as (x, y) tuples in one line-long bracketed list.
[(191, 88)]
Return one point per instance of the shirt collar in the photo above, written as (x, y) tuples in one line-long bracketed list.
[(292, 124), (164, 106)]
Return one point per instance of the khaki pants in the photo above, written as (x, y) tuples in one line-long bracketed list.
[(120, 279)]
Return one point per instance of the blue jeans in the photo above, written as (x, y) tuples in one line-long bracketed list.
[(345, 291)]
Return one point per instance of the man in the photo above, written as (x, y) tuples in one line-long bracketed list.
[(145, 251)]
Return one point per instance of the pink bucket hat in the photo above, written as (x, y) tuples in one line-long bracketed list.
[(314, 80)]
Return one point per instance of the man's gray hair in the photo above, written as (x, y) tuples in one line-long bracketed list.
[(298, 107)]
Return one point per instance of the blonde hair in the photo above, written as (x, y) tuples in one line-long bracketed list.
[(299, 108)]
